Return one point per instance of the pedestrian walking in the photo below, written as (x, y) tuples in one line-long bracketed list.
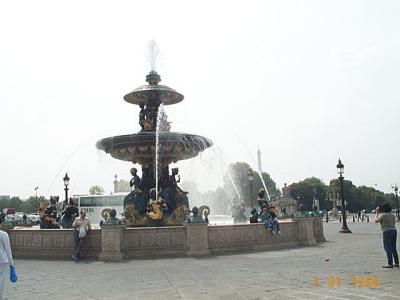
[(387, 220), (81, 227), (6, 260)]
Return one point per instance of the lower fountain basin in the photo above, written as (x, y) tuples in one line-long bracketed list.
[(141, 147)]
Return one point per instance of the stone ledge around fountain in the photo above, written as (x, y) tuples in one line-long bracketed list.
[(52, 243), (116, 242)]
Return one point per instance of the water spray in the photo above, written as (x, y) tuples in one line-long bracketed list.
[(160, 113), (254, 162), (223, 166), (153, 54)]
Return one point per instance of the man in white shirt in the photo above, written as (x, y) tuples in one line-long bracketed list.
[(6, 259), (81, 227)]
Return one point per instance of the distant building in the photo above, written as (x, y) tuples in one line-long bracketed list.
[(121, 186), (285, 204)]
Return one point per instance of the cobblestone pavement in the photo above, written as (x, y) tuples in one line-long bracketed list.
[(300, 273)]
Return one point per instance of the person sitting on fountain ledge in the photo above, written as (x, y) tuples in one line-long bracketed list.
[(254, 216), (48, 216), (273, 221), (261, 200), (112, 219)]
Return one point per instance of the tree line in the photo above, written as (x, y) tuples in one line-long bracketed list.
[(357, 197), (237, 187), (27, 206)]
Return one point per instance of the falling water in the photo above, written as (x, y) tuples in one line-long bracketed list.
[(233, 183), (265, 187), (153, 54), (254, 162), (160, 113), (223, 166), (64, 164)]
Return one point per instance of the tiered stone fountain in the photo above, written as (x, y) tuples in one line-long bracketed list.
[(141, 148)]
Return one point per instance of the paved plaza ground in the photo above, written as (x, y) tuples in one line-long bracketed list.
[(337, 269)]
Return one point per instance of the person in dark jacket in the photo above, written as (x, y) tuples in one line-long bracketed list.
[(69, 214), (254, 216)]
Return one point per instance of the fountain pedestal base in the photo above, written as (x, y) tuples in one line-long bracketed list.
[(112, 242), (196, 239)]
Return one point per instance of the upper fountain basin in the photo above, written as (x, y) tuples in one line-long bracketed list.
[(153, 94), (141, 147)]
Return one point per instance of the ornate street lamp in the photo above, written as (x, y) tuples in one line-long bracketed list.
[(396, 193), (340, 168), (250, 177), (66, 183), (36, 200)]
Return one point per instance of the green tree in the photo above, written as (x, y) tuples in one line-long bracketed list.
[(31, 205), (304, 192), (238, 176), (15, 202), (4, 202), (96, 190), (369, 198), (349, 193), (27, 206)]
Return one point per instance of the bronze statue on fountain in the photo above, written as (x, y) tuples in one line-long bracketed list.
[(140, 205)]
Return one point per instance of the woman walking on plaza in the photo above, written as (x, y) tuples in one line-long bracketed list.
[(6, 260), (387, 220)]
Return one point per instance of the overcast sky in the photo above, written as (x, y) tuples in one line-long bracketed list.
[(305, 81)]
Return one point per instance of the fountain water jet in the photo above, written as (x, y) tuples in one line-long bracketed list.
[(257, 170), (159, 116)]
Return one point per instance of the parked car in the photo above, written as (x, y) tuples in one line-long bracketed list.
[(35, 218)]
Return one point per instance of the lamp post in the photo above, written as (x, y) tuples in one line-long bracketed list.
[(66, 183), (396, 193), (250, 177), (340, 168), (36, 200)]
